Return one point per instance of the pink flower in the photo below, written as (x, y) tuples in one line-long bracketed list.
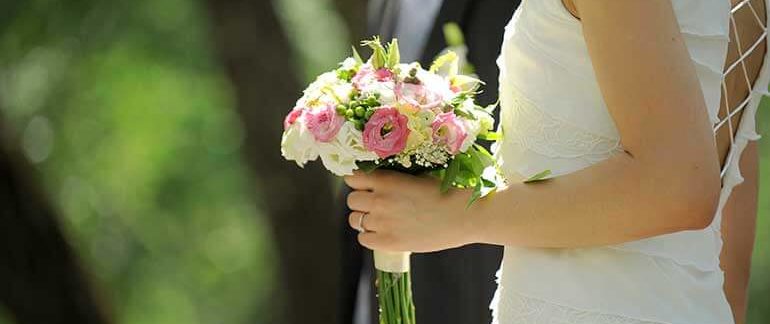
[(292, 117), (417, 95), (324, 123), (386, 132), (367, 75), (450, 131), (383, 75)]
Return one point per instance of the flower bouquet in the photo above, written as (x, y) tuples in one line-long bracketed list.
[(381, 113)]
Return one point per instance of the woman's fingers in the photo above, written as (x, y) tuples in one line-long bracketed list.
[(360, 181), (376, 241), (380, 180), (368, 222), (361, 201)]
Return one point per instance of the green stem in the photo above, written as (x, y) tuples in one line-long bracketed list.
[(394, 294), (381, 297), (397, 298)]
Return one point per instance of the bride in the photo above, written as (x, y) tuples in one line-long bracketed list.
[(622, 101)]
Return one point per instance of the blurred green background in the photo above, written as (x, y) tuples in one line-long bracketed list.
[(126, 112)]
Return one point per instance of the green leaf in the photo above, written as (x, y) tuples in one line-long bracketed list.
[(394, 56), (539, 177), (486, 157), (453, 34), (450, 175), (488, 183), (477, 165), (357, 56), (490, 136), (459, 111), (475, 195)]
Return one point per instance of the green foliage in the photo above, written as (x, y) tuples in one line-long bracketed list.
[(131, 122), (539, 177), (469, 171), (759, 287), (453, 34)]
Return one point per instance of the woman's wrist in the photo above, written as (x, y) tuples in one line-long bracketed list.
[(474, 218)]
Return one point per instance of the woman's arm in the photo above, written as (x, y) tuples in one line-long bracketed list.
[(739, 219), (667, 179)]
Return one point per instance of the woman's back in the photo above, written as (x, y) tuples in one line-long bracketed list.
[(554, 117)]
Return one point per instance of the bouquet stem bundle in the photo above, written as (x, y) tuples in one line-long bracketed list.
[(394, 287), (394, 294)]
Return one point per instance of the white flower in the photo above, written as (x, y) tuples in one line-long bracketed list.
[(318, 93), (336, 160), (352, 140), (436, 84), (342, 91), (386, 90), (298, 144), (473, 128), (349, 64), (340, 155)]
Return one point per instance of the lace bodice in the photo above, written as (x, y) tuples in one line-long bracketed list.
[(554, 117)]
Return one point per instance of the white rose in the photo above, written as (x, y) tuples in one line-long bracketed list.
[(336, 158), (340, 155), (298, 144), (352, 140), (336, 161)]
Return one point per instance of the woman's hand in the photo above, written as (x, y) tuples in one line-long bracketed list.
[(407, 213)]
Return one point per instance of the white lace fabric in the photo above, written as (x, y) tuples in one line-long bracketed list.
[(553, 117), (535, 311)]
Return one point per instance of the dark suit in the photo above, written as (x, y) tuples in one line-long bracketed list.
[(453, 286)]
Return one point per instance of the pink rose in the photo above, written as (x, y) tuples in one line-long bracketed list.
[(292, 117), (417, 95), (450, 131), (324, 123), (386, 132)]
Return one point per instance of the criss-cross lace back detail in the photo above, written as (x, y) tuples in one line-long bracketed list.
[(739, 77)]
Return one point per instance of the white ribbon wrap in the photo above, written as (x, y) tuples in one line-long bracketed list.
[(395, 262)]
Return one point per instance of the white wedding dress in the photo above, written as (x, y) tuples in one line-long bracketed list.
[(553, 117)]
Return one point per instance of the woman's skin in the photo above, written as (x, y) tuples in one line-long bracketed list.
[(738, 226), (667, 180)]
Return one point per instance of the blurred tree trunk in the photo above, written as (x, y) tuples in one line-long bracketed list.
[(353, 12), (298, 203), (41, 280)]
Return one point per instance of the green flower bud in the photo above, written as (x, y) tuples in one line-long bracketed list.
[(360, 111), (354, 103), (341, 109), (349, 114), (359, 124)]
